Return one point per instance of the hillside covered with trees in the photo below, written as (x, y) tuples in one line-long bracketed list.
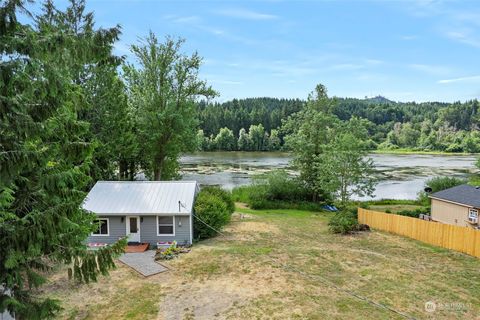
[(256, 124)]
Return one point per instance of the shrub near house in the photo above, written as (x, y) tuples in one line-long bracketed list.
[(213, 209)]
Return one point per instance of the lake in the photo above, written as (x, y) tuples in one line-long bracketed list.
[(401, 176)]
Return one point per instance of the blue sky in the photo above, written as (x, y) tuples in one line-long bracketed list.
[(404, 50)]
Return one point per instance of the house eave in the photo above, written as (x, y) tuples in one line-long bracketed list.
[(142, 214)]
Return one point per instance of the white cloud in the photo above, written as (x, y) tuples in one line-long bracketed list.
[(430, 69), (374, 61), (246, 14), (461, 79), (347, 66), (187, 20), (228, 82), (195, 22), (465, 36), (468, 17), (453, 23)]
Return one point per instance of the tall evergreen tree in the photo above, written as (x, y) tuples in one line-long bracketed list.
[(44, 161), (93, 68)]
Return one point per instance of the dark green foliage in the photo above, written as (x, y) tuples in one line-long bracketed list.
[(343, 222), (275, 190), (163, 86), (242, 193), (386, 202), (213, 211), (439, 184), (391, 125), (259, 204), (225, 195), (414, 213), (330, 154), (243, 113), (112, 127), (442, 183), (45, 154), (279, 185)]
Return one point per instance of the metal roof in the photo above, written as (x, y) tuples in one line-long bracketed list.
[(141, 197), (463, 194)]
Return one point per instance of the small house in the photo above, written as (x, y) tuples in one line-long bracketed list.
[(152, 212), (457, 206)]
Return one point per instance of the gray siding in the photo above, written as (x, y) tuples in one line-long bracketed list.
[(117, 229), (148, 230)]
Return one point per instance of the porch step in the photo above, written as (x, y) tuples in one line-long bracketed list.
[(136, 247)]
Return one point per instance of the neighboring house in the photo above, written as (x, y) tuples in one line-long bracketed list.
[(144, 211), (458, 205)]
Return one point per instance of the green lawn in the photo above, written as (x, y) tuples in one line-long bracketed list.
[(411, 151), (394, 208), (281, 264)]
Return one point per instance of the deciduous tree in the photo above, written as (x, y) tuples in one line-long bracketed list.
[(163, 86)]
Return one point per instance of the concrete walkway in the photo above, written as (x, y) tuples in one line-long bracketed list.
[(143, 262)]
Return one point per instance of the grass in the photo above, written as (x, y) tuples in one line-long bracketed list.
[(412, 151), (122, 295), (394, 208), (279, 264)]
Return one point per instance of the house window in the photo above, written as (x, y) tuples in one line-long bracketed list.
[(473, 215), (103, 227), (165, 225)]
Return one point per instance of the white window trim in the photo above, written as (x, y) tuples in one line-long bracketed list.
[(108, 228), (470, 214), (166, 234)]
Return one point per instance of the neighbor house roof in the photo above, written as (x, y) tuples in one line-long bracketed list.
[(141, 197), (463, 194)]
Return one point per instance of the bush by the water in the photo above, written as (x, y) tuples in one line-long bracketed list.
[(223, 194), (345, 222), (276, 190), (414, 213), (213, 207), (438, 184)]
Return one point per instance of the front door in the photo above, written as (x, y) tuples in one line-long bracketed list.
[(133, 229)]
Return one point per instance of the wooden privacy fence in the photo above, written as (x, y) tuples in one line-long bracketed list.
[(463, 239)]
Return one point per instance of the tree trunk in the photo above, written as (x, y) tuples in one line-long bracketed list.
[(157, 174), (158, 166), (122, 169), (131, 171)]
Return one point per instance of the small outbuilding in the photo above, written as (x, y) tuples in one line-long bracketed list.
[(152, 212), (457, 206)]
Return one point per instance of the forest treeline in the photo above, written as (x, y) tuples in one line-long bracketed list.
[(255, 124)]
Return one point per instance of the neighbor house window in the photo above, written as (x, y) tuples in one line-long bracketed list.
[(473, 215), (103, 227), (165, 225)]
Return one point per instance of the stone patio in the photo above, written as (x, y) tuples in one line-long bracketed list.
[(143, 262)]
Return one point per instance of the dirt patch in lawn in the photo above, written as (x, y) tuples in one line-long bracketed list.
[(252, 227), (215, 296), (241, 205)]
